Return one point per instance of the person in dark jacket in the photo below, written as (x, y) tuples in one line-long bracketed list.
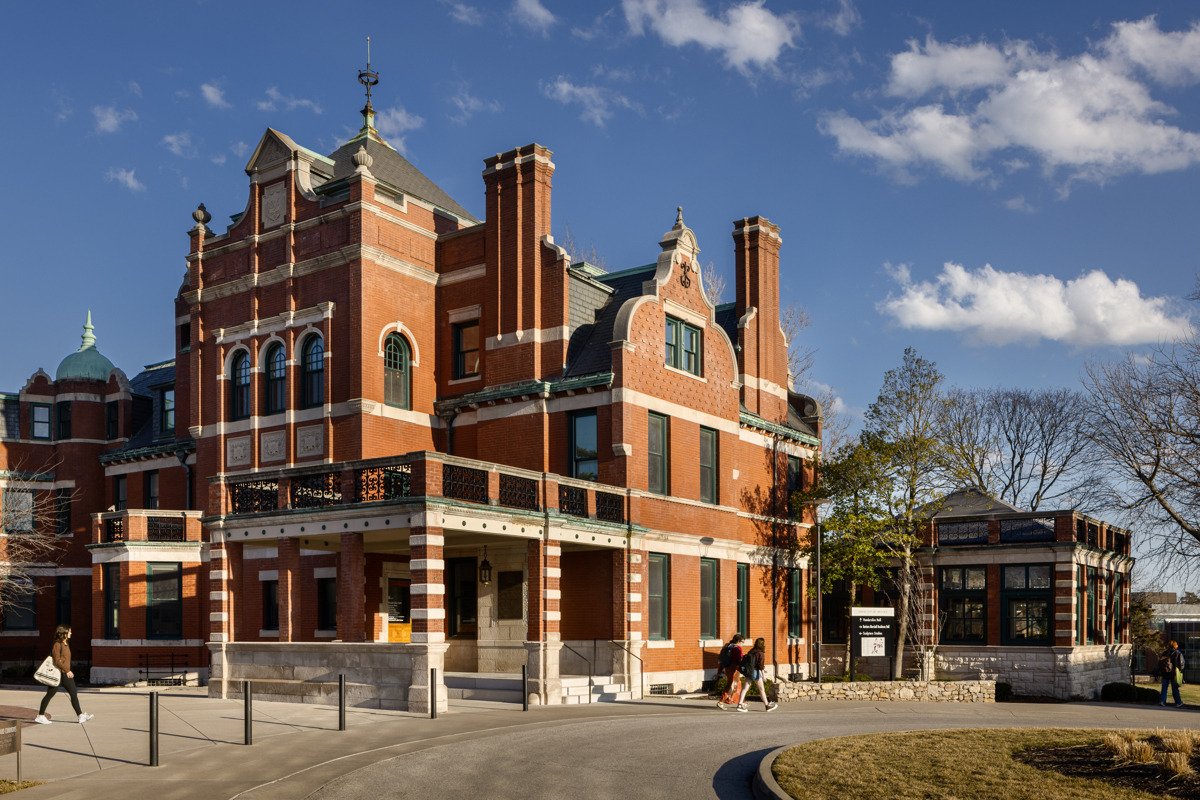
[(1170, 661), (753, 670), (61, 654), (733, 678)]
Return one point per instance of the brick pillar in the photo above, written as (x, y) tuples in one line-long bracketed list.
[(428, 591), (351, 588), (545, 638), (1064, 605), (626, 667), (225, 575), (289, 589)]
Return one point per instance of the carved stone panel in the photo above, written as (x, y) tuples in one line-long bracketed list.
[(272, 445), (274, 205), (310, 441), (237, 452)]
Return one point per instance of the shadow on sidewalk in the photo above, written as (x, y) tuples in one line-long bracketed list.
[(88, 754), (734, 780)]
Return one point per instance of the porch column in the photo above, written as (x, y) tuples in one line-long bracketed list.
[(288, 551), (428, 592), (626, 595), (224, 581), (544, 628), (351, 589)]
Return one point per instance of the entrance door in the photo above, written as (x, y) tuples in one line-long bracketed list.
[(399, 610)]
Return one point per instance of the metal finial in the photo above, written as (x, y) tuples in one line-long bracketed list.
[(368, 77), (89, 337)]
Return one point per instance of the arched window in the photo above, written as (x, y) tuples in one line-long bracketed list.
[(397, 377), (239, 386), (275, 392), (312, 372)]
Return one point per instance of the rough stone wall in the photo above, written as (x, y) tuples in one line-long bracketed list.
[(931, 692), (1062, 672)]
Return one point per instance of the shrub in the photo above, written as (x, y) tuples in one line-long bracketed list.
[(1178, 743), (842, 679), (1176, 764), (1141, 753), (1128, 693), (1004, 692), (1118, 745)]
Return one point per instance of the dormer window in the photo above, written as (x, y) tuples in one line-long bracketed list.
[(683, 346)]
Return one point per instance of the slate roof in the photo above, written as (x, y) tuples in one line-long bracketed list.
[(145, 387), (968, 502), (588, 350), (392, 168), (727, 319)]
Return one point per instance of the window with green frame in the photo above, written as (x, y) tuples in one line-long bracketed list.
[(963, 601), (710, 598), (39, 421), (1081, 607), (793, 604), (659, 595), (1095, 634), (743, 599), (585, 452), (164, 600), (683, 346), (1116, 616), (709, 466), (1027, 604), (658, 456)]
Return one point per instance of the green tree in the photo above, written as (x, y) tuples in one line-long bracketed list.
[(1143, 635)]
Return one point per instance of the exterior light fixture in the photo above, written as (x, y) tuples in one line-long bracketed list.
[(485, 569)]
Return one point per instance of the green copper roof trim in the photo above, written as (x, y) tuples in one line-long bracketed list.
[(536, 387), (31, 477), (87, 363), (159, 365), (755, 421), (175, 446), (622, 273)]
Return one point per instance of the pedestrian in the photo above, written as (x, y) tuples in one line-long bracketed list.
[(727, 662), (1170, 670), (61, 654), (753, 665)]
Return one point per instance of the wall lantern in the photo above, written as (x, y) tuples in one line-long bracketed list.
[(485, 569)]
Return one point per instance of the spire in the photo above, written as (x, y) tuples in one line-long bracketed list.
[(368, 78), (678, 216), (89, 338)]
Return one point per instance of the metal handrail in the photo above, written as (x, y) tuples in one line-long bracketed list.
[(641, 671), (591, 672)]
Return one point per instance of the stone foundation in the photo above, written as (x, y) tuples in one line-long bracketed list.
[(930, 692)]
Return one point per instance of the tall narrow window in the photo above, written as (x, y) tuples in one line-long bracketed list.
[(793, 604), (683, 346), (1116, 609), (709, 489), (710, 598), (120, 493), (658, 455), (964, 604), (164, 601), (743, 599), (62, 600), (691, 350), (239, 387), (1095, 634), (466, 349), (112, 411), (275, 386), (39, 421), (312, 372), (166, 412), (270, 605), (151, 489), (327, 604), (659, 566), (112, 601), (585, 462), (1026, 603), (397, 374), (62, 414), (1081, 607), (62, 512), (185, 337)]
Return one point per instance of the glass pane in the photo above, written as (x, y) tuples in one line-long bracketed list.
[(951, 579), (976, 578), (585, 436), (468, 337), (1039, 577), (1014, 577)]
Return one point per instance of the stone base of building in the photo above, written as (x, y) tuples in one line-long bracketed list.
[(131, 676), (923, 691)]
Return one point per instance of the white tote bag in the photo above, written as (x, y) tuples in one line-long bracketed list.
[(47, 673)]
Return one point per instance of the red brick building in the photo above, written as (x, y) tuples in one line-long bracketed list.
[(416, 439)]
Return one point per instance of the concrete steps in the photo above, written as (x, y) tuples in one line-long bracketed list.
[(507, 688)]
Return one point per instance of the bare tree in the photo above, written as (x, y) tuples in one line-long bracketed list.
[(713, 282), (793, 320), (579, 252), (28, 524), (1025, 447)]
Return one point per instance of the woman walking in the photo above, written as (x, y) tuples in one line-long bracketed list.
[(61, 654), (731, 656), (753, 665)]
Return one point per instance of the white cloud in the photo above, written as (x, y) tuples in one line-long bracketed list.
[(214, 95), (468, 105), (533, 15), (393, 123), (276, 100), (109, 119), (135, 88), (219, 159), (996, 307), (180, 144), (239, 149), (1090, 116), (598, 103), (124, 177), (842, 21), (746, 34), (467, 15), (1018, 203)]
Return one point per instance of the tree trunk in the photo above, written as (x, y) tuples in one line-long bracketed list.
[(848, 672), (902, 620)]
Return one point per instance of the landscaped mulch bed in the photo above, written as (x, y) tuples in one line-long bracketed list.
[(1091, 761)]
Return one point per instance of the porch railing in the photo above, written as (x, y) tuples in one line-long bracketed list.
[(465, 483), (146, 525)]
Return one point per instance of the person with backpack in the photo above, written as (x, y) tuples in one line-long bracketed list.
[(727, 663), (1170, 670), (752, 667)]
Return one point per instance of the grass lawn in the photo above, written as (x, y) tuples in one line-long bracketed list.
[(951, 765)]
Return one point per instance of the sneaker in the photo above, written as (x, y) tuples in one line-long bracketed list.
[(1179, 705), (85, 717), (1164, 705), (772, 706), (742, 708), (721, 705), (40, 719)]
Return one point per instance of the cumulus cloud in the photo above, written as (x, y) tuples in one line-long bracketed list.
[(393, 123), (180, 144), (842, 21), (467, 15), (533, 15), (109, 119), (597, 103), (746, 34), (996, 307), (1089, 116), (467, 105), (214, 95), (277, 100), (124, 177)]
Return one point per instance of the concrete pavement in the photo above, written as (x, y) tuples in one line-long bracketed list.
[(653, 749)]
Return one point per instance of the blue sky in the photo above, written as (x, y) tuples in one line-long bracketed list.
[(1009, 187)]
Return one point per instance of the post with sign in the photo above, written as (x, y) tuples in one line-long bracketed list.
[(874, 633), (10, 742)]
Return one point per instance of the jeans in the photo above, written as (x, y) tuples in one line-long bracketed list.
[(1169, 680), (69, 685)]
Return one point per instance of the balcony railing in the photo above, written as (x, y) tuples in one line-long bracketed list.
[(146, 525), (960, 533), (114, 529), (610, 507), (377, 484), (316, 490), (518, 492), (1035, 529), (572, 500), (465, 483), (250, 497)]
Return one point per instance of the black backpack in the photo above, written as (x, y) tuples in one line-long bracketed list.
[(749, 664), (725, 659)]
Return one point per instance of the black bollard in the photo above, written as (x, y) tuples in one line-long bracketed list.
[(524, 687), (342, 702), (249, 712), (433, 692), (154, 729)]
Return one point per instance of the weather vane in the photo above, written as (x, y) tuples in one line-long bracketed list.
[(367, 77)]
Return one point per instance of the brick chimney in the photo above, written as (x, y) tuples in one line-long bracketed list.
[(762, 357)]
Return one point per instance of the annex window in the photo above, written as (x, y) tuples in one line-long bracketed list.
[(964, 605), (20, 612), (239, 387), (150, 489), (164, 601), (62, 600), (793, 604), (659, 567), (112, 601), (397, 372), (1026, 604), (275, 384), (466, 349), (120, 493), (312, 372), (709, 466), (326, 604), (683, 346), (658, 454), (112, 411), (585, 462), (462, 599), (185, 337), (270, 605), (62, 415), (710, 598), (743, 598), (166, 412), (62, 512), (39, 421)]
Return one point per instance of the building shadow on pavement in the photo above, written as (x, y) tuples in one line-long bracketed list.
[(734, 780)]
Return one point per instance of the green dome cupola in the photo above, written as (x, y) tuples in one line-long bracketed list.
[(87, 363)]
